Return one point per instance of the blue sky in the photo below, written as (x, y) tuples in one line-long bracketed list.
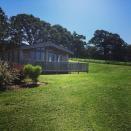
[(82, 16)]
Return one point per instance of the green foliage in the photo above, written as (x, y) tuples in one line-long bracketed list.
[(97, 101), (35, 73), (24, 27), (32, 30), (28, 69), (3, 25), (7, 75), (28, 28), (19, 78), (109, 46), (78, 45), (100, 61), (32, 72), (128, 53)]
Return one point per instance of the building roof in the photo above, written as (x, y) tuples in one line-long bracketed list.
[(47, 45)]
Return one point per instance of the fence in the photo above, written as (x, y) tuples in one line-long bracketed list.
[(62, 67)]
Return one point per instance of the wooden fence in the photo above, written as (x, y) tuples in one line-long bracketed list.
[(62, 67)]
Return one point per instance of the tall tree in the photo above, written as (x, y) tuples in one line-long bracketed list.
[(128, 53), (4, 38), (78, 45), (24, 28), (28, 29), (110, 45), (61, 36), (3, 26)]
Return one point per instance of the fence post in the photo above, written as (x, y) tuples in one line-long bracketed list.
[(78, 67), (87, 67)]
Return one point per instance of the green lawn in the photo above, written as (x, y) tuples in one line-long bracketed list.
[(100, 61), (97, 101)]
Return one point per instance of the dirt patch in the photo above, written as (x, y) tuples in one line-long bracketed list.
[(26, 85)]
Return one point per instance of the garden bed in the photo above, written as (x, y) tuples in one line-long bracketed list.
[(26, 85)]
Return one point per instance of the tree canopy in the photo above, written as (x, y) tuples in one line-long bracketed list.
[(3, 26), (109, 45), (28, 29), (31, 30)]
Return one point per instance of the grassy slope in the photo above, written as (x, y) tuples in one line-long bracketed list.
[(99, 101), (100, 61)]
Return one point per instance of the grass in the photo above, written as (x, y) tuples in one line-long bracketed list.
[(100, 61), (97, 101)]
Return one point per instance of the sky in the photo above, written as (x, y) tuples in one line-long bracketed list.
[(82, 16)]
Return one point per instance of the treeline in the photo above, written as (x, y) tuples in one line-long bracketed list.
[(25, 28), (108, 46), (28, 29)]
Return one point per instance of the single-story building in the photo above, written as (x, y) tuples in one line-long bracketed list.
[(43, 52), (51, 57)]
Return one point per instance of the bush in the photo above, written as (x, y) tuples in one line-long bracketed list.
[(32, 72), (35, 73), (18, 70), (20, 77), (28, 69), (7, 75)]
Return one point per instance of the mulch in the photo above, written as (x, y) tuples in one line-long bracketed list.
[(26, 85)]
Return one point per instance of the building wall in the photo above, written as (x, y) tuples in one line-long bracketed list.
[(11, 55), (19, 55), (40, 54), (56, 56)]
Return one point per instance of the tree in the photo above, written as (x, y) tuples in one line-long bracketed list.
[(28, 29), (93, 53), (110, 45), (4, 38), (3, 26), (128, 53), (78, 45), (61, 36)]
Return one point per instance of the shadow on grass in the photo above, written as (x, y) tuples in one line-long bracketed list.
[(22, 86), (31, 85)]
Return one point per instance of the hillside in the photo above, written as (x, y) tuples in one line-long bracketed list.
[(97, 101)]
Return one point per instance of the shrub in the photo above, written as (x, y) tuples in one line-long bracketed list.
[(18, 69), (7, 75), (36, 71), (28, 69), (20, 77), (32, 72)]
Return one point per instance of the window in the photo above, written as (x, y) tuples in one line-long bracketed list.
[(59, 58), (39, 54), (50, 60), (51, 57), (42, 56)]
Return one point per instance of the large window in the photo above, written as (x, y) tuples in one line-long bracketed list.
[(39, 54), (58, 58), (51, 57), (42, 55)]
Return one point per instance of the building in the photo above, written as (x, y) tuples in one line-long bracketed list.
[(44, 52), (52, 58)]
